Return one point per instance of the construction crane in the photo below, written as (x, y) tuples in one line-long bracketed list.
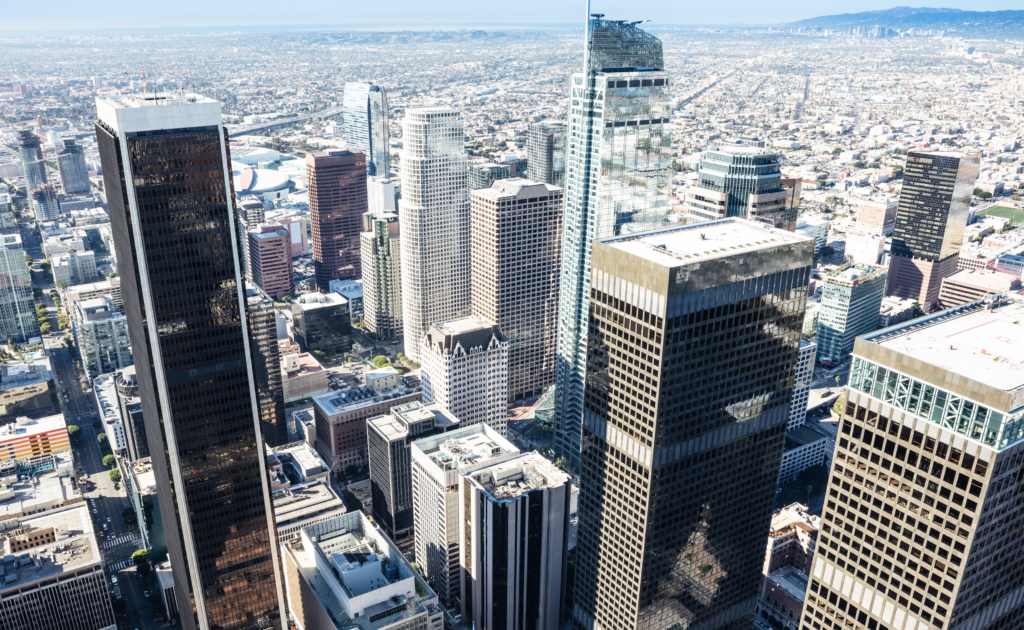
[(145, 74)]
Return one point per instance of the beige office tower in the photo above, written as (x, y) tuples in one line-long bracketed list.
[(380, 249), (435, 222), (922, 521), (693, 340), (516, 246)]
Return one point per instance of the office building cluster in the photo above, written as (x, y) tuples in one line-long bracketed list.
[(639, 360)]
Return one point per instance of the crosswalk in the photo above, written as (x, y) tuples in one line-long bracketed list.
[(117, 566), (113, 542)]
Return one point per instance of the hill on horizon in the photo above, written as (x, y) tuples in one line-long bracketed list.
[(927, 18)]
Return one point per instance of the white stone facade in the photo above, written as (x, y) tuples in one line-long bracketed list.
[(465, 371), (435, 222)]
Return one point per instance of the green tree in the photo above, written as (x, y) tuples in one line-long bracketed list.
[(141, 561), (97, 425), (46, 328), (836, 151), (115, 475), (982, 194), (109, 461), (380, 361), (74, 433), (319, 355), (352, 502)]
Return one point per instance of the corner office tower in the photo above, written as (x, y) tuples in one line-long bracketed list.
[(692, 350), (617, 182), (165, 166)]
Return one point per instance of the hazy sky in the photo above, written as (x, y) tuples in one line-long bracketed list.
[(79, 14)]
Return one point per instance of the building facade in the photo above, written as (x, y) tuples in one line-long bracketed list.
[(741, 181), (337, 202), (27, 390), (30, 149), (930, 221), (321, 321), (199, 400), (970, 285), (802, 384), (483, 175), (924, 477), (545, 152), (516, 247), (381, 251), (270, 260), (851, 300), (127, 385), (18, 320), (465, 371), (514, 524), (74, 176), (388, 438), (438, 462), (101, 334), (73, 267), (366, 126), (618, 178), (266, 365), (681, 458), (435, 222), (341, 418)]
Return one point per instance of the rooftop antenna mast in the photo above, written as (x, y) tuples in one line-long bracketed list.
[(586, 50)]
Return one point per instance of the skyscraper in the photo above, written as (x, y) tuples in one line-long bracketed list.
[(617, 182), (920, 527), (185, 304), (74, 176), (270, 260), (517, 239), (266, 365), (514, 521), (30, 147), (435, 222), (366, 126), (437, 463), (930, 222), (387, 443), (102, 336), (694, 334), (465, 371), (337, 202), (850, 302), (545, 152), (380, 248), (737, 180), (18, 320)]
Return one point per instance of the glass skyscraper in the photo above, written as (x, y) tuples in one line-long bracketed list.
[(741, 181), (545, 152), (694, 334), (30, 148), (366, 125), (74, 176), (166, 174), (18, 320), (618, 174)]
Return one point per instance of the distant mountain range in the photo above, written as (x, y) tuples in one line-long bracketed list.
[(904, 18)]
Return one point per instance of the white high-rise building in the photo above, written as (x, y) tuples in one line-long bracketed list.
[(434, 210), (465, 371), (438, 462), (381, 195), (515, 534), (801, 384)]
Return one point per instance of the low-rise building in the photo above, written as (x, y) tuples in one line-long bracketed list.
[(302, 376), (382, 378), (91, 290), (964, 287), (28, 439), (73, 267), (345, 573), (863, 247), (301, 488), (130, 403), (341, 418), (352, 291), (816, 227), (53, 573), (791, 543), (321, 321), (105, 390), (27, 389), (894, 310), (51, 486)]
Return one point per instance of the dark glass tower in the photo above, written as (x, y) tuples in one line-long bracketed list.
[(930, 221), (337, 202), (693, 339), (165, 167), (266, 362)]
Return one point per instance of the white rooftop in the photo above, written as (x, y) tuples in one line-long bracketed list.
[(685, 245), (982, 345)]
